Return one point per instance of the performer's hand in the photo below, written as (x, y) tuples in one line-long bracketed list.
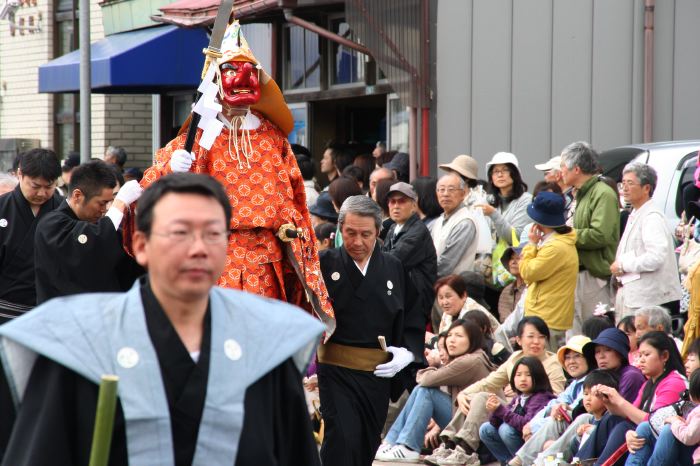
[(181, 161), (402, 358), (130, 192)]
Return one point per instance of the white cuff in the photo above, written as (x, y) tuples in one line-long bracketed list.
[(116, 216)]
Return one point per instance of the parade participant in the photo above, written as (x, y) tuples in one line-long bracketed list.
[(371, 298), (20, 212), (245, 148), (78, 247), (200, 383)]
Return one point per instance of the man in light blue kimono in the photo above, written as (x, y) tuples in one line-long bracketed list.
[(207, 376)]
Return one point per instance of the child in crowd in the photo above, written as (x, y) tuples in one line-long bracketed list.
[(677, 443), (593, 326), (627, 326), (325, 236), (503, 433), (692, 361)]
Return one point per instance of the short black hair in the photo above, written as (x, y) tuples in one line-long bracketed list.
[(342, 156), (481, 320), (306, 166), (536, 322), (118, 175), (427, 197), (694, 385), (40, 163), (182, 183), (627, 324), (354, 172), (594, 325), (298, 149), (91, 178), (694, 347), (601, 377), (540, 380)]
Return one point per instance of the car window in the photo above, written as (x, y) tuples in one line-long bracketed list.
[(614, 160), (689, 164)]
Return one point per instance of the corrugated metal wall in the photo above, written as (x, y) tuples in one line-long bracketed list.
[(532, 76), (393, 30)]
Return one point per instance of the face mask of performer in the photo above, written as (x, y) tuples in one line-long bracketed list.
[(240, 84)]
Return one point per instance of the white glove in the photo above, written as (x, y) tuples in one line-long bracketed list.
[(181, 161), (402, 358), (130, 192)]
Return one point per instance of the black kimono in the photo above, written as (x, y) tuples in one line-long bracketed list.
[(73, 256), (55, 421), (354, 403), (17, 227)]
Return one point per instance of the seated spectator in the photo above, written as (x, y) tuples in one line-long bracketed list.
[(451, 293), (692, 361), (593, 326), (503, 434), (511, 293), (549, 266), (677, 443), (498, 354), (654, 318), (325, 236), (467, 364), (661, 363), (551, 421), (460, 439), (611, 352), (577, 439), (627, 326)]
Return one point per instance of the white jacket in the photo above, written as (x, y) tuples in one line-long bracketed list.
[(646, 248)]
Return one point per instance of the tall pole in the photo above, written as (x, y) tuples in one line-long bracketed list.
[(85, 81)]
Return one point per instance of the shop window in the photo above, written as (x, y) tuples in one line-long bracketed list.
[(66, 105), (303, 60)]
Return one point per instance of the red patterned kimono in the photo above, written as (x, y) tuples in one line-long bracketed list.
[(265, 196)]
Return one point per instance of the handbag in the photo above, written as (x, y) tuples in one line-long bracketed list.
[(682, 408)]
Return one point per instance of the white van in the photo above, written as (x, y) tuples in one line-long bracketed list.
[(674, 162)]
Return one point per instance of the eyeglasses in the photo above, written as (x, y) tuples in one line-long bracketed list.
[(183, 237), (626, 184), (448, 190), (572, 356), (501, 171)]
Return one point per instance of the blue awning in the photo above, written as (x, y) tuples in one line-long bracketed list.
[(146, 61)]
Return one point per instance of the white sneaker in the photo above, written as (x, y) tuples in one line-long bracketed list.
[(399, 454), (383, 448), (460, 458), (440, 452)]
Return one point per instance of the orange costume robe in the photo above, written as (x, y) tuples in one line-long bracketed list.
[(265, 196)]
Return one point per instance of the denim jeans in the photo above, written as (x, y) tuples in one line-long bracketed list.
[(503, 441), (661, 451), (423, 404)]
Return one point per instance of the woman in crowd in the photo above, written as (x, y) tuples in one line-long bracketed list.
[(660, 362), (460, 438), (451, 295), (497, 353), (467, 363), (503, 434), (428, 207), (627, 326)]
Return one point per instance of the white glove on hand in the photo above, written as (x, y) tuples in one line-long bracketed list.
[(181, 161), (402, 358), (130, 192)]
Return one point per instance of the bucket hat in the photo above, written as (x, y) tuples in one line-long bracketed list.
[(324, 207), (575, 343), (465, 165), (612, 338), (502, 157), (548, 209)]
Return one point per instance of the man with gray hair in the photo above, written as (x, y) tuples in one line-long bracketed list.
[(654, 318), (645, 262), (116, 156), (597, 225), (377, 336)]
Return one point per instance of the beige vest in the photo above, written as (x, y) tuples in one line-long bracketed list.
[(441, 230)]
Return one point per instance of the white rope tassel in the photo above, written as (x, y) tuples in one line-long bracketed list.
[(244, 146)]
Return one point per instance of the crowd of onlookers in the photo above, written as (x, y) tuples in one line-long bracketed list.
[(551, 312)]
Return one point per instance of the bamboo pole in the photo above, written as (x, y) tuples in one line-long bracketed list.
[(104, 421)]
